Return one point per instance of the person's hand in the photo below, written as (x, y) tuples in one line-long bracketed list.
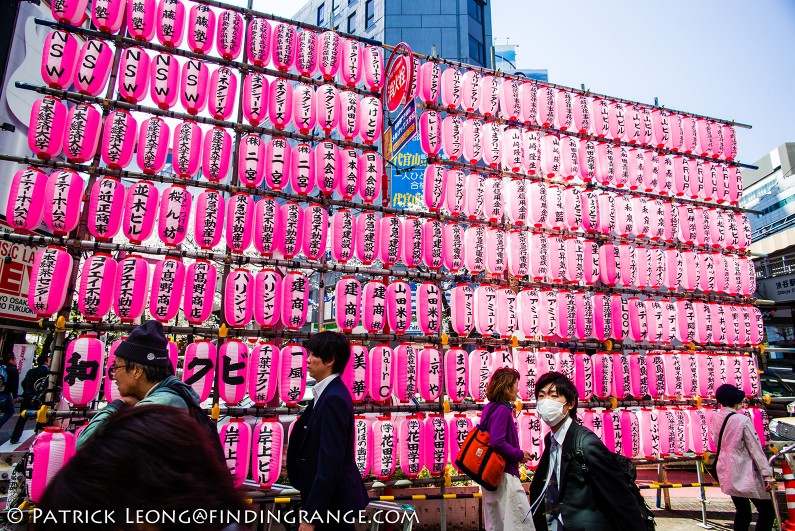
[(129, 400), (306, 527), (768, 485), (527, 456)]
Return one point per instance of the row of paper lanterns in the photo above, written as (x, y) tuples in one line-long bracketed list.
[(415, 443), (561, 157), (557, 207), (534, 104), (77, 131), (267, 43)]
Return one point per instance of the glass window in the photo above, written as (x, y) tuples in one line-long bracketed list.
[(476, 50), (369, 13), (321, 14), (352, 22), (475, 10)]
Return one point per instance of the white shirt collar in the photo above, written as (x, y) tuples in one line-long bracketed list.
[(318, 388), (560, 435)]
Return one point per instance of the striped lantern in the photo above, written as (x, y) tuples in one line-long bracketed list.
[(456, 374), (186, 147), (267, 226), (62, 198), (25, 207), (385, 438), (404, 381), (238, 297), (47, 124), (199, 367), (374, 306), (82, 376), (479, 373), (216, 154), (168, 281), (97, 281), (50, 452), (356, 375), (140, 211), (236, 443), (398, 306), (104, 214), (267, 298), (131, 288), (411, 447), (292, 219), (263, 371), (315, 231), (292, 374), (81, 133), (232, 371), (347, 296), (239, 214), (49, 280), (266, 452)]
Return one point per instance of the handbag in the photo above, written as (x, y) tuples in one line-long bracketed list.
[(478, 460), (713, 468)]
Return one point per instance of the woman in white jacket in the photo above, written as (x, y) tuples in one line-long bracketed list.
[(743, 470)]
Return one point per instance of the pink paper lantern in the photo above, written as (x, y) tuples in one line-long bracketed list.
[(343, 234), (348, 124), (462, 309), (209, 220), (471, 90), (348, 296), (356, 374), (238, 297), (25, 207), (302, 173), (434, 186), (507, 318), (485, 309), (266, 452), (430, 132), (267, 298), (216, 154), (389, 246), (411, 442), (303, 107), (140, 210), (84, 351), (370, 176), (255, 98), (168, 282), (96, 286), (141, 19), (351, 68), (328, 107), (315, 231), (373, 63), (564, 111), (452, 87), (432, 243), (186, 149), (430, 374), (328, 167), (47, 123), (223, 93), (429, 307), (385, 437), (200, 280), (430, 81), (436, 445), (452, 136), (131, 287), (201, 27), (93, 66), (239, 213), (232, 374), (58, 60), (53, 448), (81, 133), (473, 141), (236, 443), (152, 145), (370, 119), (518, 253), (329, 54), (164, 80), (516, 201), (278, 156), (170, 22), (62, 197), (263, 373), (381, 366), (229, 41), (496, 252), (398, 306), (456, 372), (258, 41), (492, 199), (368, 237), (108, 15), (374, 306), (251, 161), (118, 139), (295, 300), (280, 103)]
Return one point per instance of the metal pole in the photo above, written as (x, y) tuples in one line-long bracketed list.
[(703, 497)]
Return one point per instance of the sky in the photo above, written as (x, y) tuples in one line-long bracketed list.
[(729, 59)]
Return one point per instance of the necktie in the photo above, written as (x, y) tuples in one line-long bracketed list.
[(551, 496)]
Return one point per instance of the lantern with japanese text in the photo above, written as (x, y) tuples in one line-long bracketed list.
[(81, 133), (25, 207), (356, 375), (47, 124), (170, 22), (374, 306), (168, 282), (391, 235), (302, 172), (140, 210), (315, 231), (473, 140), (251, 161), (238, 297), (278, 156), (199, 367), (411, 441), (266, 452), (373, 62), (186, 149), (348, 295), (83, 370), (239, 213), (255, 98), (216, 154), (118, 139), (295, 300), (429, 307), (200, 280), (258, 41), (370, 175), (232, 374), (430, 132), (328, 107), (62, 197), (329, 54), (385, 439), (430, 74), (350, 69), (263, 367), (292, 374), (236, 444), (436, 444), (93, 66), (452, 136), (267, 298), (398, 306), (343, 235), (58, 60), (328, 167), (209, 220), (280, 103), (97, 282), (368, 232), (434, 186), (131, 288), (381, 366)]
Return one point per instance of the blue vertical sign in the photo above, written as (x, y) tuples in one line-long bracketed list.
[(408, 162)]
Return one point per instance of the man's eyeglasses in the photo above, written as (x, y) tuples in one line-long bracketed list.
[(113, 368)]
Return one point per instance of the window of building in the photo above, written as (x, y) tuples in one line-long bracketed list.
[(352, 22), (475, 10), (321, 14), (476, 50), (369, 13)]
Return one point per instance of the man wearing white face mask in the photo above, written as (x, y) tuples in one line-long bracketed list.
[(571, 492)]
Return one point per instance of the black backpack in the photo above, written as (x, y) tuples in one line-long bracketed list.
[(627, 467), (201, 417)]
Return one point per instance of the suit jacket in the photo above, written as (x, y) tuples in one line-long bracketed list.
[(601, 501), (320, 460)]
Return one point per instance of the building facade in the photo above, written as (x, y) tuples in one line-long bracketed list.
[(458, 30), (770, 195)]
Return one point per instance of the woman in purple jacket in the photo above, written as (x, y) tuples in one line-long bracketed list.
[(506, 507)]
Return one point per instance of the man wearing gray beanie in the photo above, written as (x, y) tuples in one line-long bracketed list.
[(143, 372)]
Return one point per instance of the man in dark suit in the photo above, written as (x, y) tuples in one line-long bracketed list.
[(320, 460), (563, 494)]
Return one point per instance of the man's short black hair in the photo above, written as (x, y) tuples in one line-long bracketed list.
[(43, 359), (563, 386), (329, 346), (153, 374)]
